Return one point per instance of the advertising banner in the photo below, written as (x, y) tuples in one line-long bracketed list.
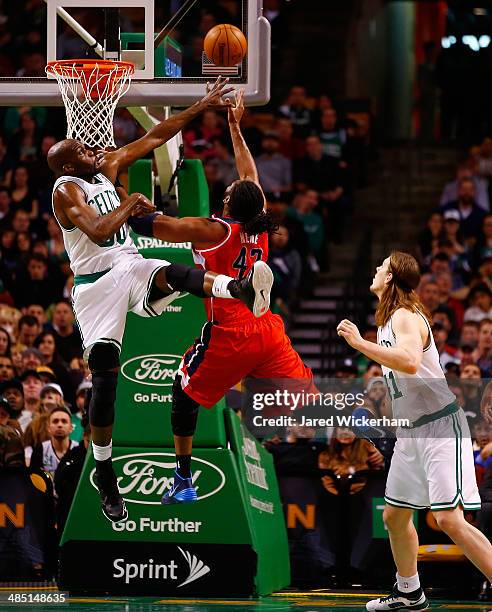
[(27, 530), (195, 542), (259, 482), (185, 539)]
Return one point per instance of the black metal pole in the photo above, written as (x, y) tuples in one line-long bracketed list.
[(173, 22), (112, 42)]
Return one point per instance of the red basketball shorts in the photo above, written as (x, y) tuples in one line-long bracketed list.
[(223, 356)]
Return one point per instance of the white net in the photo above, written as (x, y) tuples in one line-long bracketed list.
[(90, 92)]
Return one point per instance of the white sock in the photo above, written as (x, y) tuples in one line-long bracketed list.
[(407, 584), (101, 453), (219, 287)]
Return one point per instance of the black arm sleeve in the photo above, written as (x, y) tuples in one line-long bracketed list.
[(143, 225)]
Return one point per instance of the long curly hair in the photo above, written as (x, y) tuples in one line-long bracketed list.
[(246, 206), (400, 292)]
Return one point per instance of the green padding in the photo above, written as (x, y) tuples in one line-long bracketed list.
[(193, 190), (140, 177), (144, 475), (237, 522), (264, 507)]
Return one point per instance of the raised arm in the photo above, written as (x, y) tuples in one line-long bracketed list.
[(72, 211), (117, 161), (245, 163), (405, 357)]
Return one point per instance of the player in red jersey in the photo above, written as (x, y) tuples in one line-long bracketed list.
[(233, 344)]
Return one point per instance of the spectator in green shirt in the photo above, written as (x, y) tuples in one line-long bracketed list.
[(333, 137), (303, 209)]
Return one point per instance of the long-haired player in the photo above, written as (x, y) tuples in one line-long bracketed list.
[(432, 466), (234, 345)]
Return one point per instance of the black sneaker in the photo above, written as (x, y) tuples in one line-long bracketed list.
[(112, 504), (254, 290), (416, 600)]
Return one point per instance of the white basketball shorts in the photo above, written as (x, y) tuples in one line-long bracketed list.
[(433, 467), (101, 305)]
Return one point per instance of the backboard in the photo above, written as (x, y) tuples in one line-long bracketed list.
[(163, 39)]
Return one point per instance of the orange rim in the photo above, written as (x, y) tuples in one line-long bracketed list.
[(88, 65)]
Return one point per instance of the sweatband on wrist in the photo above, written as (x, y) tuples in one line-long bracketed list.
[(143, 225)]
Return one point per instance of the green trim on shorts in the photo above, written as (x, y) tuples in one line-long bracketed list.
[(452, 506), (458, 498), (457, 469), (76, 320), (459, 458), (85, 279), (146, 304), (429, 418), (446, 505), (402, 504)]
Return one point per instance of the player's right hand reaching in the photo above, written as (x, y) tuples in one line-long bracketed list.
[(235, 112)]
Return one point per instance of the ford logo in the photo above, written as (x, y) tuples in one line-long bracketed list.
[(144, 477), (153, 370)]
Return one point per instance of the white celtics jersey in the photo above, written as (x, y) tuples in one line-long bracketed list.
[(50, 459), (423, 393), (85, 256)]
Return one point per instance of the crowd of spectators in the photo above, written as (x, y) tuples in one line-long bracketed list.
[(455, 252)]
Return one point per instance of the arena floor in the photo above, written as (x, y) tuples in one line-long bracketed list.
[(311, 601)]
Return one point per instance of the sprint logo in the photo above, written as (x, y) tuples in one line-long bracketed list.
[(132, 572)]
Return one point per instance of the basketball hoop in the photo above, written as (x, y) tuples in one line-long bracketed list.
[(90, 90)]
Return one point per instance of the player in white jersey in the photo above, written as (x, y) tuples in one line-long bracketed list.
[(432, 464), (111, 278)]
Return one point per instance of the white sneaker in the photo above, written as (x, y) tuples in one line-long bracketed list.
[(261, 281), (397, 600)]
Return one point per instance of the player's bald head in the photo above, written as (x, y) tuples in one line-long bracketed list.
[(61, 153)]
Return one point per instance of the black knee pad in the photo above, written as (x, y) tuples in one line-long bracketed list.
[(101, 407), (184, 411), (183, 278), (104, 356)]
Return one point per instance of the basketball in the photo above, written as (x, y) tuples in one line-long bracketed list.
[(225, 45)]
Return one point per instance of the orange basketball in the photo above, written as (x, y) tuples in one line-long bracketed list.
[(225, 45)]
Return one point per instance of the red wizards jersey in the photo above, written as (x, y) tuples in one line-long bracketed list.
[(233, 256)]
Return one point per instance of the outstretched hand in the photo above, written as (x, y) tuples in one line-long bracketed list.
[(236, 111), (138, 204), (214, 98)]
